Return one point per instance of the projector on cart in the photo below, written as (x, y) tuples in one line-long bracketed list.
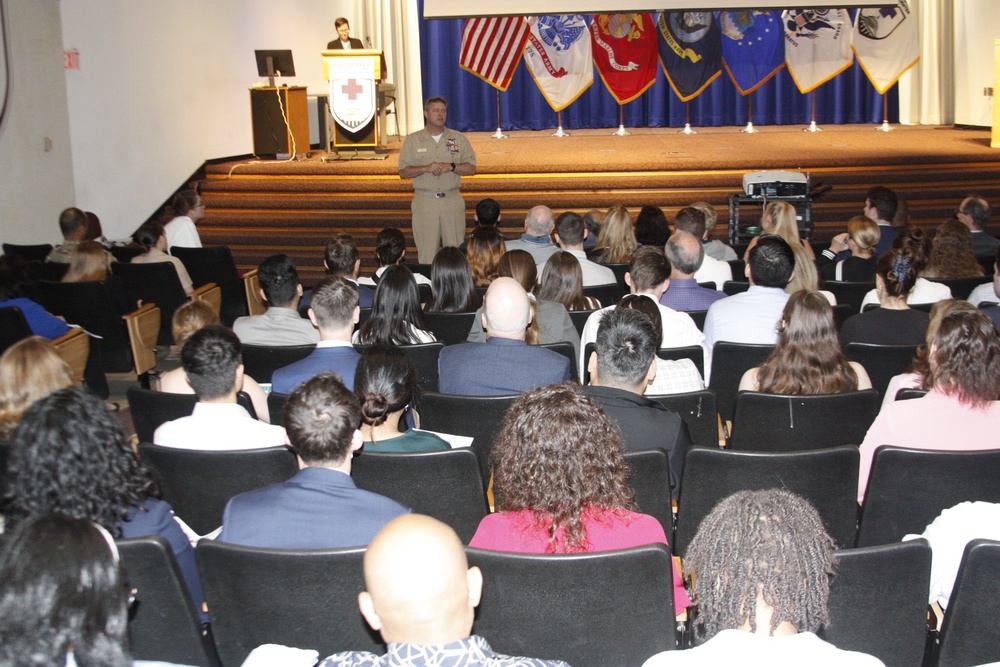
[(771, 184)]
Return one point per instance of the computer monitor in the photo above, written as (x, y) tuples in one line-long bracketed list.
[(271, 63)]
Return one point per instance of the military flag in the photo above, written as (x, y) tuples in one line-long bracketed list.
[(752, 47), (559, 56), (624, 47), (817, 45), (886, 42), (492, 47), (690, 51)]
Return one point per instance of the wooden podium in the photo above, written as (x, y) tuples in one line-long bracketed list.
[(353, 77), (271, 136)]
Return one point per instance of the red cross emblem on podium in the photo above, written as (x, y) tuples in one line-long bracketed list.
[(352, 89)]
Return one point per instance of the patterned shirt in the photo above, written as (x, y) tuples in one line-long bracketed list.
[(469, 652)]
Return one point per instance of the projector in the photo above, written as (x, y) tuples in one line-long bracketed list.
[(776, 184)]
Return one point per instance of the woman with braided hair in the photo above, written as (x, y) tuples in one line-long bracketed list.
[(761, 564)]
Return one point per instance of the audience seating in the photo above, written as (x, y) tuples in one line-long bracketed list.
[(580, 317), (73, 346), (589, 609), (695, 353), (306, 599), (450, 328), (909, 393), (215, 264), (732, 287), (649, 477), (150, 409), (608, 294), (363, 315), (5, 448), (738, 266), (445, 485), (251, 288), (969, 632), (849, 293), (619, 270), (13, 327), (909, 488), (878, 602), (276, 407), (30, 253), (164, 624), (698, 410), (776, 423), (566, 349), (961, 288), (54, 271), (475, 416), (158, 283), (882, 362), (729, 362), (260, 361), (199, 483), (828, 478), (125, 253), (425, 358), (699, 318), (840, 313)]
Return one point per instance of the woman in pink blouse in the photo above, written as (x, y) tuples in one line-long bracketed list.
[(561, 483)]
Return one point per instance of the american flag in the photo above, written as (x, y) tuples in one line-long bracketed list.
[(491, 48)]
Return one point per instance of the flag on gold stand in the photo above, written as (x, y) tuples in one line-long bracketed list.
[(624, 47), (492, 47), (817, 45), (559, 56)]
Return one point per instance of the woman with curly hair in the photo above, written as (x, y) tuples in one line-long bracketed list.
[(562, 282), (617, 238), (452, 287), (30, 369), (780, 218), (951, 253), (561, 482), (70, 456), (396, 318), (386, 384), (486, 247), (807, 358)]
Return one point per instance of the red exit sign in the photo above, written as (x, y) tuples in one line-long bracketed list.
[(71, 59)]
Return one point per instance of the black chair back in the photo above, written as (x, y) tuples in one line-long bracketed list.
[(198, 483), (849, 293), (445, 485), (961, 288), (54, 271), (295, 598), (565, 349), (908, 488), (729, 362), (840, 314), (425, 293), (731, 287), (909, 393), (276, 407), (163, 624), (260, 361), (5, 448), (882, 362), (878, 602), (776, 423), (154, 283), (92, 306), (450, 328), (699, 412), (588, 609), (608, 294), (738, 266), (30, 253), (477, 417), (425, 359), (699, 318), (214, 264), (150, 409), (649, 477), (619, 270), (969, 633), (13, 327), (828, 478), (125, 254), (579, 318)]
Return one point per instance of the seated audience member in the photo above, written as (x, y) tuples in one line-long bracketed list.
[(951, 254), (807, 358), (396, 318), (713, 248), (71, 457), (593, 219), (988, 292), (914, 244), (686, 255), (651, 227), (452, 287), (649, 276), (187, 208), (974, 213), (191, 317), (536, 239), (487, 214), (318, 508), (14, 287), (860, 240), (893, 322), (882, 205), (691, 219), (761, 564), (390, 249), (281, 323), (673, 376), (561, 483), (334, 312), (616, 241), (74, 227), (780, 218), (151, 237), (961, 411), (90, 264), (753, 316), (505, 363), (212, 360), (486, 247), (805, 277), (386, 384), (621, 367), (62, 596), (569, 234), (562, 282), (343, 259), (30, 369)]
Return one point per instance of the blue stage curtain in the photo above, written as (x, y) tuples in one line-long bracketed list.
[(849, 98)]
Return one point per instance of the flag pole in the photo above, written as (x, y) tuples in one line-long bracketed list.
[(622, 132), (499, 133), (812, 123), (687, 120), (749, 128), (884, 127), (559, 131)]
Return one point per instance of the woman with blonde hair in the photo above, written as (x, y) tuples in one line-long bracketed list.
[(951, 255), (805, 276), (30, 369), (780, 218), (486, 247), (88, 264), (861, 238), (562, 282), (617, 237)]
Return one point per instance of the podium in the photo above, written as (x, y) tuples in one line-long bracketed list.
[(271, 136), (353, 77)]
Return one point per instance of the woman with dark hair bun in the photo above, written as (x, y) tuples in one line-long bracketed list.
[(901, 272), (486, 247), (390, 249), (396, 318), (386, 384), (452, 288)]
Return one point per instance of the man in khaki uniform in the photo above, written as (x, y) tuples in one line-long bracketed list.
[(436, 158)]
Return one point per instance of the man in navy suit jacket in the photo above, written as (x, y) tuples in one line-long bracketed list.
[(505, 363), (343, 259), (320, 507), (334, 311)]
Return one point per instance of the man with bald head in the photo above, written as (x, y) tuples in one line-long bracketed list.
[(686, 254), (421, 595), (536, 239), (505, 364), (974, 213)]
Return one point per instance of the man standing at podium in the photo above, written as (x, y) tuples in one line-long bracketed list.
[(436, 158), (344, 40)]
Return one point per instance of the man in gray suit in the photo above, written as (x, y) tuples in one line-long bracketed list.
[(281, 323)]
